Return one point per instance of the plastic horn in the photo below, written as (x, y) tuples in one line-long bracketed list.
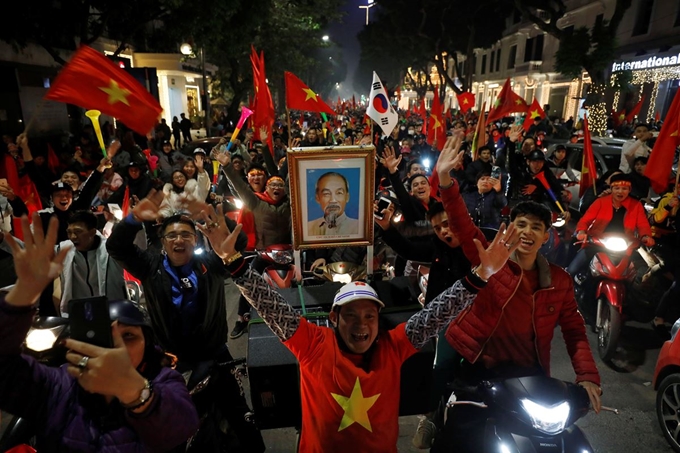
[(544, 182), (245, 113), (93, 115)]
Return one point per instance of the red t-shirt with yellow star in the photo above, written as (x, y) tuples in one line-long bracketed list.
[(345, 408)]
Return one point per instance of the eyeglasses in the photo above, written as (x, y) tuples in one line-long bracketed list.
[(185, 235), (276, 185)]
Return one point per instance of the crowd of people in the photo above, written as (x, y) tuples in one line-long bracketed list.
[(479, 215)]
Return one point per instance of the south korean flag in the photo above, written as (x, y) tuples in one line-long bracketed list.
[(379, 108)]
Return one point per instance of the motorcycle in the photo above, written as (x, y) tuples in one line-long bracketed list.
[(613, 269), (524, 414), (43, 343), (280, 273)]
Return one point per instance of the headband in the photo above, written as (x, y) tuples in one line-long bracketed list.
[(256, 171), (621, 183), (276, 178)]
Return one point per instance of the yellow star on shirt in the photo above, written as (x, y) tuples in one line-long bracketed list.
[(116, 93), (310, 94), (437, 124), (356, 407)]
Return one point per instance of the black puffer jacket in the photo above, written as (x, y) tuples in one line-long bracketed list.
[(208, 337)]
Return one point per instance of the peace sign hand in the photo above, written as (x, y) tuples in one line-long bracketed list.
[(222, 241)]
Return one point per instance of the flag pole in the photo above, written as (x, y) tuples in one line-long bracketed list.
[(35, 115), (290, 131)]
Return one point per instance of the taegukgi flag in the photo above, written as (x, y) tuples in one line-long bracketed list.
[(379, 108)]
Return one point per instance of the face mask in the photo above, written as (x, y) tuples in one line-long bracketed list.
[(411, 132), (402, 128)]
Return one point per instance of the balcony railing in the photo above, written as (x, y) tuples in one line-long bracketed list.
[(528, 67)]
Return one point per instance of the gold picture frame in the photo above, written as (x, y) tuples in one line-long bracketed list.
[(323, 215)]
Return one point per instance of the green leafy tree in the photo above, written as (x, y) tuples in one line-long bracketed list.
[(590, 49)]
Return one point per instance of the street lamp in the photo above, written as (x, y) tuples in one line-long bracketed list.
[(325, 38), (369, 4), (187, 49)]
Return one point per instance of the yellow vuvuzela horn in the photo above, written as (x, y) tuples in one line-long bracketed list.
[(93, 115)]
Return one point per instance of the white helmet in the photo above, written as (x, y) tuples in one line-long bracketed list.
[(356, 291)]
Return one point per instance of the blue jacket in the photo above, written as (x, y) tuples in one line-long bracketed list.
[(61, 411)]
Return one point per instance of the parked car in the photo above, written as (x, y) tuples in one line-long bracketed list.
[(207, 143), (666, 382), (607, 153)]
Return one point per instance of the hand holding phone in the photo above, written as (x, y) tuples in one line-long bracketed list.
[(496, 172), (383, 203), (89, 321)]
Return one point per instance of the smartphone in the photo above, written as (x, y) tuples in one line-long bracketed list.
[(305, 124), (89, 321), (383, 203), (115, 210), (496, 172)]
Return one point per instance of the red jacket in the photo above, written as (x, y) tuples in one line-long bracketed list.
[(600, 213), (554, 302)]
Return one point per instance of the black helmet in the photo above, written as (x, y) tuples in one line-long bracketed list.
[(56, 187), (127, 312), (536, 155)]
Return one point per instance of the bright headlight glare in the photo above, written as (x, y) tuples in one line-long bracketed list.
[(615, 244), (426, 163), (39, 340), (559, 222), (549, 420), (502, 448), (238, 203), (342, 278)]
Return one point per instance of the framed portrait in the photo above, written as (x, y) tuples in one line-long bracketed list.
[(331, 193)]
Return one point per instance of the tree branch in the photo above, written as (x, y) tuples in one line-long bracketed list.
[(54, 53), (620, 10), (549, 27)]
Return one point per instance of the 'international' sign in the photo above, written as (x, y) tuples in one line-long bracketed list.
[(651, 62)]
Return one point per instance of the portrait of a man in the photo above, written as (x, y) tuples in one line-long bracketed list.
[(332, 195)]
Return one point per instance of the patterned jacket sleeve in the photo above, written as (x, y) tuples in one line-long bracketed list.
[(442, 310), (279, 316)]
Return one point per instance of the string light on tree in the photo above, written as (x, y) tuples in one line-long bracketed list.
[(597, 117), (652, 102)]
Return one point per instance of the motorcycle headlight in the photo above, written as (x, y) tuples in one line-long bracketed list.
[(615, 244), (342, 278), (39, 340), (281, 256), (548, 420)]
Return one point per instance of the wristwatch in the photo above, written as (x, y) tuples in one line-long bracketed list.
[(144, 396), (231, 259)]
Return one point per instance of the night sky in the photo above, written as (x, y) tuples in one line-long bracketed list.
[(345, 34)]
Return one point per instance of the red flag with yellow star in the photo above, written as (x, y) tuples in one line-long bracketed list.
[(535, 111), (436, 129), (465, 101), (300, 97), (92, 81), (508, 102), (660, 161), (630, 117)]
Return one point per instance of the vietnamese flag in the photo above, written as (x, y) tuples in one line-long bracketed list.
[(23, 188), (300, 97), (479, 138), (465, 101), (535, 111), (661, 159), (436, 127), (263, 105), (636, 110), (508, 102), (423, 115), (619, 117), (588, 169), (92, 81)]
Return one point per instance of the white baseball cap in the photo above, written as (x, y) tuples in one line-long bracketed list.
[(356, 291)]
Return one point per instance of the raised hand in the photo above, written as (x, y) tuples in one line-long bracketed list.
[(494, 257), (390, 160), (264, 134), (293, 142), (147, 208), (223, 158), (36, 264), (222, 241), (200, 163), (515, 133), (113, 148), (529, 189), (450, 158)]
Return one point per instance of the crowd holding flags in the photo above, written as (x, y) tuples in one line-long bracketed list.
[(535, 111)]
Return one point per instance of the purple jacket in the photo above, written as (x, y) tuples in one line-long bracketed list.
[(53, 401)]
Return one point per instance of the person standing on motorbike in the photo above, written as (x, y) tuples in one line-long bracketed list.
[(271, 221), (185, 298), (509, 329), (448, 264), (349, 375), (103, 399)]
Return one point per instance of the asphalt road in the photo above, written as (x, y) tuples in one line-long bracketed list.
[(628, 389)]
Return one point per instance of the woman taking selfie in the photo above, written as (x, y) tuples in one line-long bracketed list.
[(103, 399)]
